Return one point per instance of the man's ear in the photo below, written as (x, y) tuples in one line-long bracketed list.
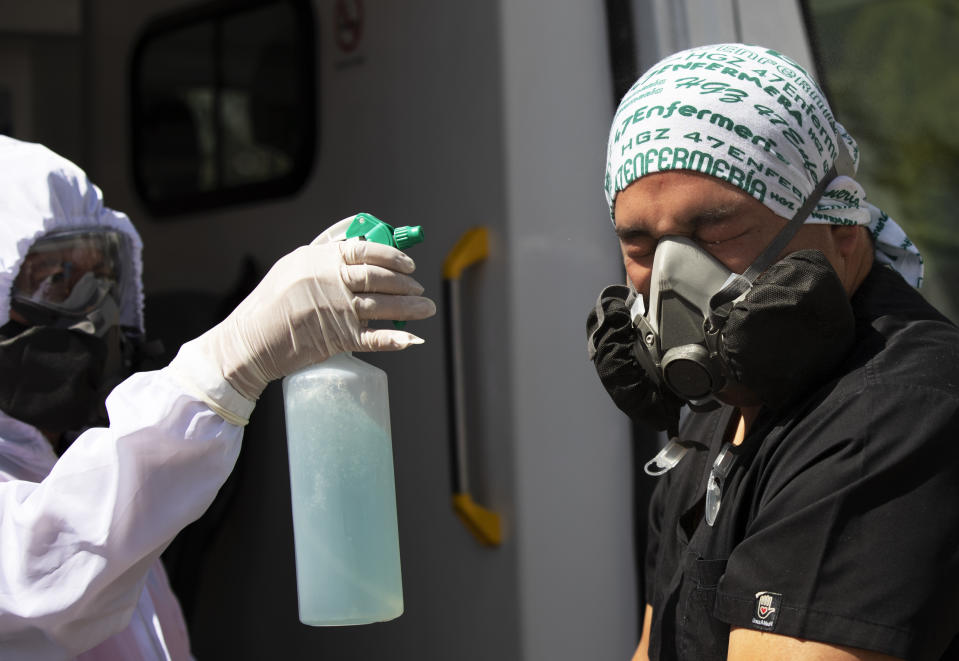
[(855, 247), (849, 238)]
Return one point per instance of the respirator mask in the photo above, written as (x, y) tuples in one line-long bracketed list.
[(760, 337), (65, 350)]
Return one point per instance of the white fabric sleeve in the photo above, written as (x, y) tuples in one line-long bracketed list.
[(75, 548)]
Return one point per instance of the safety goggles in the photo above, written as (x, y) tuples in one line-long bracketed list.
[(70, 273)]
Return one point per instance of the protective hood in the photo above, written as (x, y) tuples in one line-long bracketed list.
[(43, 193)]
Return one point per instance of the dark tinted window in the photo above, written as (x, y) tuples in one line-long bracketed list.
[(223, 105)]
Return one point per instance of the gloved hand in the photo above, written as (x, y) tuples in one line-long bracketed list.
[(315, 302)]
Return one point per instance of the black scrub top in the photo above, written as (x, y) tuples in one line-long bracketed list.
[(839, 516)]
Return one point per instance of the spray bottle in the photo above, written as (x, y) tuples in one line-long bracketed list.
[(341, 478)]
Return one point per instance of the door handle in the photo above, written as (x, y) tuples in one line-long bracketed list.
[(472, 248)]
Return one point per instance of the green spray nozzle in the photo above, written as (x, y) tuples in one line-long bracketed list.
[(368, 227)]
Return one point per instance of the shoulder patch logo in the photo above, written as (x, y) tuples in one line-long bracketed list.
[(767, 608)]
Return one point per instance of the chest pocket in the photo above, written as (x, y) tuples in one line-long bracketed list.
[(700, 636)]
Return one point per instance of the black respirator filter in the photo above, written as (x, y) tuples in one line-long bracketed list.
[(790, 330), (612, 346)]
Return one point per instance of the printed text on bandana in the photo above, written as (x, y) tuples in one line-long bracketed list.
[(761, 126)]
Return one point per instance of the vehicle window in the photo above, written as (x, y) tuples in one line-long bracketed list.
[(889, 71), (223, 105)]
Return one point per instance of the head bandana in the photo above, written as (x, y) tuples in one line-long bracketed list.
[(754, 118)]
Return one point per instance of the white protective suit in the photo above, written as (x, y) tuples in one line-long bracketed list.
[(80, 536)]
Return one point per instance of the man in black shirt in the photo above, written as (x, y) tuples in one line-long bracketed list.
[(810, 503)]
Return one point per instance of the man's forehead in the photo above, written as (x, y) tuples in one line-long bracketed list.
[(688, 199), (77, 248), (80, 250)]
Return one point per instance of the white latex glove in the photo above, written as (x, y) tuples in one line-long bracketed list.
[(315, 302)]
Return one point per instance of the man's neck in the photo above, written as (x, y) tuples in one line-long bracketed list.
[(747, 415), (858, 262)]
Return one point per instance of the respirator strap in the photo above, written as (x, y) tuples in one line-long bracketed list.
[(737, 285)]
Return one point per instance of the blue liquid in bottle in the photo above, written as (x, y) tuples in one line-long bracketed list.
[(344, 498), (341, 478)]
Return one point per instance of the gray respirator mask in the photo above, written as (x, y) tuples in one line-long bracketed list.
[(767, 335)]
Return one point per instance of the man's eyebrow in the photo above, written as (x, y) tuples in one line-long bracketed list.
[(713, 215), (703, 217), (631, 233)]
